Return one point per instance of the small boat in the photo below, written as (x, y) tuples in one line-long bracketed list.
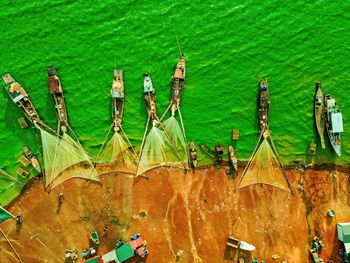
[(24, 161), (312, 149), (193, 153), (22, 172), (177, 83), (117, 92), (209, 151), (150, 96), (20, 97), (233, 157), (219, 151), (319, 113), (22, 122), (263, 105), (56, 92), (235, 134), (30, 155), (334, 123)]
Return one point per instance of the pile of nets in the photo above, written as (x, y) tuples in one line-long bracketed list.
[(119, 155), (264, 168), (157, 151), (64, 159)]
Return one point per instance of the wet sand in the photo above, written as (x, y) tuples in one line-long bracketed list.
[(193, 212)]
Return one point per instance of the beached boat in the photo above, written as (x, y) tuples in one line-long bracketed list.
[(56, 92), (193, 151), (334, 123), (150, 96), (20, 97), (177, 84), (263, 105), (319, 113), (233, 157), (209, 151), (30, 155), (117, 92)]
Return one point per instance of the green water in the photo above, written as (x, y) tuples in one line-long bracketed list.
[(229, 47)]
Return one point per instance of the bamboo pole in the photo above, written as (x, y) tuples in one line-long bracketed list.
[(14, 250), (184, 133), (143, 139), (5, 173), (166, 111), (99, 152)]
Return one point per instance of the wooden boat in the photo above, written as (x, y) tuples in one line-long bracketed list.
[(193, 151), (30, 155), (150, 96), (209, 151), (219, 151), (263, 105), (177, 83), (235, 134), (24, 161), (22, 122), (56, 92), (117, 92), (312, 149), (233, 157), (319, 113), (20, 97), (334, 123), (22, 172)]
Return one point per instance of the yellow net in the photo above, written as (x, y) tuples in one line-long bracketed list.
[(264, 168), (61, 154), (119, 155), (157, 151)]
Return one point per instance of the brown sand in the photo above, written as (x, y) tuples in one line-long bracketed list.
[(193, 212)]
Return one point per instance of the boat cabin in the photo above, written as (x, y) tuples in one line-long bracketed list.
[(16, 92), (55, 85), (337, 122), (147, 84)]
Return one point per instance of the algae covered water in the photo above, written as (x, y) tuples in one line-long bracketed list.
[(229, 46)]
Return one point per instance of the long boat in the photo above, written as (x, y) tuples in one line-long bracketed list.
[(319, 113), (263, 105), (193, 152), (177, 83), (209, 151), (117, 92), (30, 155), (334, 123), (20, 97), (56, 92), (150, 96), (233, 157)]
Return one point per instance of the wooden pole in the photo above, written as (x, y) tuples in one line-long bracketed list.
[(183, 130), (166, 111), (14, 250), (5, 173)]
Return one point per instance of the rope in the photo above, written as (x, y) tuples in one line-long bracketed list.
[(143, 140), (2, 171), (14, 250), (40, 156), (54, 160), (132, 148), (99, 152)]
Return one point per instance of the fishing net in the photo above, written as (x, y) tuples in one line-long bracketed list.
[(173, 128), (119, 155), (64, 159), (157, 151), (264, 168)]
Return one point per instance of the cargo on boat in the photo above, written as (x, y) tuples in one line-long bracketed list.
[(193, 152), (30, 155), (319, 113), (56, 92), (334, 123), (150, 96), (177, 83), (263, 105), (117, 92), (20, 97), (233, 157)]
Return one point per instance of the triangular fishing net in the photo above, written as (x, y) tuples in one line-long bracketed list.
[(61, 154), (173, 128), (264, 168), (119, 155), (157, 151)]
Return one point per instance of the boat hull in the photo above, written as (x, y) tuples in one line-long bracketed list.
[(319, 113), (178, 81), (150, 97), (34, 161), (117, 92), (334, 137), (193, 152), (263, 105)]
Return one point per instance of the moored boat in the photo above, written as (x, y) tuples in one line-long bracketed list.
[(334, 123), (319, 113), (30, 155), (20, 97), (177, 83), (117, 92), (263, 105), (233, 157), (209, 151), (193, 151), (150, 96), (56, 92)]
